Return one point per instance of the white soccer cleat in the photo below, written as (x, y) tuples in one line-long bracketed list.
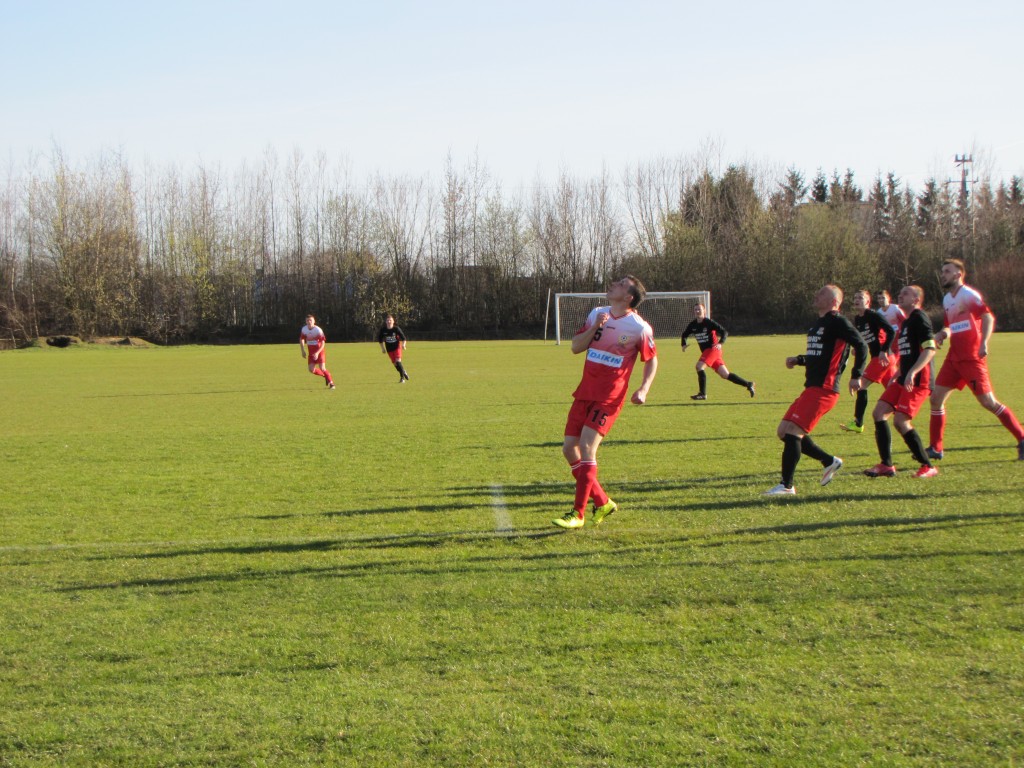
[(780, 490), (831, 470)]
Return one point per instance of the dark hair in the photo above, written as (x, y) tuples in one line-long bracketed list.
[(637, 291), (958, 264)]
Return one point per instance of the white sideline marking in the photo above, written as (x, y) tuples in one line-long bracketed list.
[(502, 519)]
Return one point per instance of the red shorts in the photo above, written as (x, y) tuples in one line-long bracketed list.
[(712, 358), (881, 374), (317, 357), (905, 402), (395, 355), (956, 374), (586, 413), (813, 403)]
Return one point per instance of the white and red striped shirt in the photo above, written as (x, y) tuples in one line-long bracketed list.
[(314, 337), (612, 354), (964, 311)]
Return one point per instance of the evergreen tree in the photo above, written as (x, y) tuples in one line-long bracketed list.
[(819, 187)]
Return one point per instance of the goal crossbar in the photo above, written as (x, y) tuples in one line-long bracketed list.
[(668, 312)]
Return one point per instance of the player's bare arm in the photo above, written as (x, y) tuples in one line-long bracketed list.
[(582, 339), (988, 324), (650, 368), (923, 360)]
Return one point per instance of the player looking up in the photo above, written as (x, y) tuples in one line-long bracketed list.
[(879, 336), (908, 389), (312, 345), (613, 337), (392, 341), (969, 326), (828, 346), (891, 312), (710, 337)]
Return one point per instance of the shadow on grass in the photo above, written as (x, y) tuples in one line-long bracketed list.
[(517, 563), (659, 441), (122, 395), (712, 403), (521, 561)]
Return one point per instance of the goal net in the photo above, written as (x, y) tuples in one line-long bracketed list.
[(668, 312)]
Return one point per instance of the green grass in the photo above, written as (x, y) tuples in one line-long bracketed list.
[(207, 559)]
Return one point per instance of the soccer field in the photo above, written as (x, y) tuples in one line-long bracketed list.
[(207, 558)]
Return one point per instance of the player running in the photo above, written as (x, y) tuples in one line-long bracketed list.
[(828, 347), (710, 337), (908, 389), (392, 341), (878, 334), (312, 344), (613, 337), (969, 326)]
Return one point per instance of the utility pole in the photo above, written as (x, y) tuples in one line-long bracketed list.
[(963, 161), (964, 202)]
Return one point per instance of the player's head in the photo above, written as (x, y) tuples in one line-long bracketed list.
[(828, 298), (700, 311), (861, 301), (389, 321), (882, 298), (953, 273), (310, 320), (636, 290), (910, 297)]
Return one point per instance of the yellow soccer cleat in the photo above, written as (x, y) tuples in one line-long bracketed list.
[(569, 520), (600, 513)]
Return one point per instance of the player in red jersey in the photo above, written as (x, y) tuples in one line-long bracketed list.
[(829, 342), (613, 337), (908, 390), (312, 343), (969, 326), (891, 312)]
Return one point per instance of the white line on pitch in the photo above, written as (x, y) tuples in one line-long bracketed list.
[(502, 520)]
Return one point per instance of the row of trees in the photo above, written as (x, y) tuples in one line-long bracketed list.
[(105, 249)]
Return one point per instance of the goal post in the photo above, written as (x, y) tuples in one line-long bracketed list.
[(668, 312)]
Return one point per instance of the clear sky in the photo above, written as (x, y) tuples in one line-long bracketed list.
[(531, 88)]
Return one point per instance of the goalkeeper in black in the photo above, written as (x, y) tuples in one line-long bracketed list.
[(828, 348), (710, 337)]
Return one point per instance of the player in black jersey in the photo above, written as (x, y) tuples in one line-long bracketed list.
[(710, 337), (828, 346), (392, 341), (878, 333), (909, 388)]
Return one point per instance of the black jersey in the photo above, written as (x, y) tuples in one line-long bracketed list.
[(828, 346), (391, 337), (916, 335), (707, 333), (875, 330)]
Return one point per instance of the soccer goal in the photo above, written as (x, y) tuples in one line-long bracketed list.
[(668, 312)]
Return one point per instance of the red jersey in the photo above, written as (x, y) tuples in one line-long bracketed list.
[(314, 338), (611, 355), (895, 317), (964, 311)]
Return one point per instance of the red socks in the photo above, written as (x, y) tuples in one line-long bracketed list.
[(1005, 415), (936, 428), (587, 486)]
